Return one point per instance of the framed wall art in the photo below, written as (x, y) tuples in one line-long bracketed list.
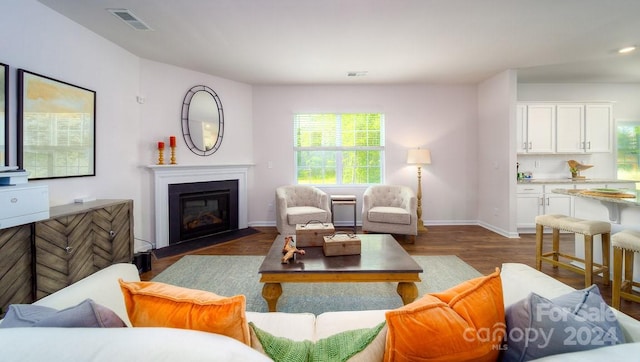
[(4, 118), (56, 127)]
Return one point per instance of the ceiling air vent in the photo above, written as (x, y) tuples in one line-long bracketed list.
[(130, 18)]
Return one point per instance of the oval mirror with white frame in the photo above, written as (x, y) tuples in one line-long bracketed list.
[(202, 120)]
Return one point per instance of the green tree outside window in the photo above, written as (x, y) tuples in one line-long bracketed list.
[(628, 151), (340, 149)]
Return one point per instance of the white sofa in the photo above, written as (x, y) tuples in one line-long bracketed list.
[(165, 344)]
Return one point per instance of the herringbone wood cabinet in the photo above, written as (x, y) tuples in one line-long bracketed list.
[(113, 234), (76, 241), (79, 240), (64, 252), (15, 266)]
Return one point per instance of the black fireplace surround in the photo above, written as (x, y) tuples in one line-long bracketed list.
[(199, 210)]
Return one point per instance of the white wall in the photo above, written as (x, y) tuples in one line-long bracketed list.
[(625, 107), (163, 88), (40, 40), (441, 118), (258, 123), (496, 153)]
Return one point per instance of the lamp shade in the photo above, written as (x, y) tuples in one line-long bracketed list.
[(419, 156)]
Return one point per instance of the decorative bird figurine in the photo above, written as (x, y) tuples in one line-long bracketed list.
[(575, 167)]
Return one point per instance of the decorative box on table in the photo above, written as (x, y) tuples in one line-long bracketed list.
[(341, 244), (311, 233)]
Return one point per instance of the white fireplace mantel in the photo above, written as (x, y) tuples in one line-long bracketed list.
[(165, 175)]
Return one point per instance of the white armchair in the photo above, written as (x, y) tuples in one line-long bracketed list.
[(390, 209), (299, 204)]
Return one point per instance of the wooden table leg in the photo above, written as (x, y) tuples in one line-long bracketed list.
[(271, 292), (407, 291), (539, 245)]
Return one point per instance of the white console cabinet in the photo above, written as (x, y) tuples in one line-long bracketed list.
[(22, 204)]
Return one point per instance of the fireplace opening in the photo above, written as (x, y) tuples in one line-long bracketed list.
[(203, 213), (202, 209)]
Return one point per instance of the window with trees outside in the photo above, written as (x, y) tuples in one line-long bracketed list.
[(628, 151), (339, 149)]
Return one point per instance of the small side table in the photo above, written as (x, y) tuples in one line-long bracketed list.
[(340, 200)]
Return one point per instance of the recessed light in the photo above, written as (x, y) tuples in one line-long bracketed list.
[(357, 74), (626, 50)]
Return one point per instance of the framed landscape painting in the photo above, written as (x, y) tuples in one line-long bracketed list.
[(4, 119), (56, 127)]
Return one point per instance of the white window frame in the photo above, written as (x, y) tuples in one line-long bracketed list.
[(339, 148)]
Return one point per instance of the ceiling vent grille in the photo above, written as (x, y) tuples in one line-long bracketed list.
[(130, 18)]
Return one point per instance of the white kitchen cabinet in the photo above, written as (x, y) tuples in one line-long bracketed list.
[(564, 128), (570, 128), (583, 128), (521, 128), (598, 127), (541, 128), (534, 200), (535, 128), (557, 204), (529, 204)]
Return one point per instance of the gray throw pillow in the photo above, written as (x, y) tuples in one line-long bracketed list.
[(86, 314), (25, 315), (577, 321)]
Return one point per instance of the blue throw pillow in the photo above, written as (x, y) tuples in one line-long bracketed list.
[(86, 314), (577, 321)]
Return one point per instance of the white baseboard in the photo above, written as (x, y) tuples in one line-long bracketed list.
[(505, 233)]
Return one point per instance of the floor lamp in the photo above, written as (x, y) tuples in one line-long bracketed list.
[(419, 157)]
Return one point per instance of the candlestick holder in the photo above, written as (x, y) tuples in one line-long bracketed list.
[(160, 156), (173, 155)]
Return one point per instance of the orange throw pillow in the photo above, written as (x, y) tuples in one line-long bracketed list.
[(153, 304), (463, 323)]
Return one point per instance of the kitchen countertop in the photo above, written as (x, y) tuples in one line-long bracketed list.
[(542, 181), (623, 201)]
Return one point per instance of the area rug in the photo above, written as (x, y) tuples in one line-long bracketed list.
[(232, 275)]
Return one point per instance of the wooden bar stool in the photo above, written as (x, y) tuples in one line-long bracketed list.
[(588, 229), (625, 244)]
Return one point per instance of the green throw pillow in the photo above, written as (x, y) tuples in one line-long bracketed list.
[(339, 347)]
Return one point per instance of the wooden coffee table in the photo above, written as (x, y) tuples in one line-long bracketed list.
[(382, 259)]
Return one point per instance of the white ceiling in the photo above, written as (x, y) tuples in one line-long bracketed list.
[(395, 41)]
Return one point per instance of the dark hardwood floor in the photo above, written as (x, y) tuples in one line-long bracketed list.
[(479, 247)]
